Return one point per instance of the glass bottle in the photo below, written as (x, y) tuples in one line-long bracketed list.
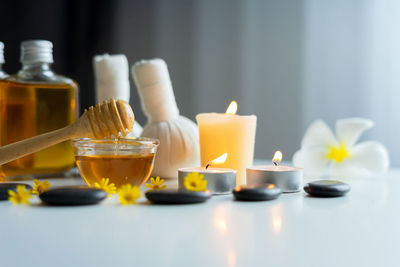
[(2, 73), (36, 101)]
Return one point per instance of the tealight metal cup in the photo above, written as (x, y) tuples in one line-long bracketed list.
[(220, 182), (288, 181)]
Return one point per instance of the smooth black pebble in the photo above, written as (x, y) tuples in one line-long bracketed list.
[(256, 192), (4, 187), (73, 195), (175, 196), (327, 188)]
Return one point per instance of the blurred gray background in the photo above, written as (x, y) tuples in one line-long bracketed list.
[(287, 61)]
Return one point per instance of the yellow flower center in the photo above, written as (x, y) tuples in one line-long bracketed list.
[(338, 153), (129, 198), (195, 182)]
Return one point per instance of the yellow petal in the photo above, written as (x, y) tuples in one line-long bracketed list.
[(20, 188)]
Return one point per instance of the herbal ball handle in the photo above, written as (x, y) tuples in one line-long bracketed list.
[(155, 90)]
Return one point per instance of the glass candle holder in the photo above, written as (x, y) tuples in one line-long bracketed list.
[(123, 161)]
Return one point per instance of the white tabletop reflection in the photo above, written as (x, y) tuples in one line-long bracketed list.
[(360, 229)]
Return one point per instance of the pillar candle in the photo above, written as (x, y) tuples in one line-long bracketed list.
[(228, 133)]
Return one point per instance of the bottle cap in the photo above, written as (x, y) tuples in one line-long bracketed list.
[(33, 51), (1, 52)]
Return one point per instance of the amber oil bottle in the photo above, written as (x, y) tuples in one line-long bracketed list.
[(35, 101)]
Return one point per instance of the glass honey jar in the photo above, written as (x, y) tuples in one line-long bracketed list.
[(35, 101), (127, 160)]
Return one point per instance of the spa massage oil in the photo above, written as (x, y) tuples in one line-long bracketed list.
[(35, 101)]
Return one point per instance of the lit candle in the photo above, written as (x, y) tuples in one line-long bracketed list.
[(219, 180), (229, 133), (287, 178)]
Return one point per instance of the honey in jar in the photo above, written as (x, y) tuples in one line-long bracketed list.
[(128, 160), (35, 101), (120, 169)]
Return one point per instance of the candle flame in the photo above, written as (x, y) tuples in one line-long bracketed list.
[(232, 108), (220, 160), (270, 186), (277, 157)]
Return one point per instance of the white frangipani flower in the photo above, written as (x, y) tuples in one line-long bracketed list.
[(322, 153)]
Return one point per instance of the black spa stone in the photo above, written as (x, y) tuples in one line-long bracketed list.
[(256, 192), (4, 187), (327, 188), (175, 196), (73, 195)]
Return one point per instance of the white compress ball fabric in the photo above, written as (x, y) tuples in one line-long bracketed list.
[(179, 136), (112, 81)]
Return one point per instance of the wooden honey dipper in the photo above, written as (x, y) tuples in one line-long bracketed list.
[(106, 120)]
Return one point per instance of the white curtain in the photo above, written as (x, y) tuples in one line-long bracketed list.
[(288, 62), (351, 65)]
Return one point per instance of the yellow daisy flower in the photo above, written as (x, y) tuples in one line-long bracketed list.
[(110, 189), (195, 182), (19, 197), (128, 194), (39, 187), (156, 184)]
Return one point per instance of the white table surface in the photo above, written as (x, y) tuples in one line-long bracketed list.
[(361, 229)]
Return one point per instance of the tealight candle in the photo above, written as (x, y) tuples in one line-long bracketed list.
[(231, 133), (287, 178), (219, 180)]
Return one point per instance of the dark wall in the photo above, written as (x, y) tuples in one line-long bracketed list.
[(78, 30)]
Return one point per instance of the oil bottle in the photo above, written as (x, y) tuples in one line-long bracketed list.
[(34, 101)]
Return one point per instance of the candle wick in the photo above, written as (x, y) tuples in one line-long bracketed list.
[(208, 165), (276, 164)]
